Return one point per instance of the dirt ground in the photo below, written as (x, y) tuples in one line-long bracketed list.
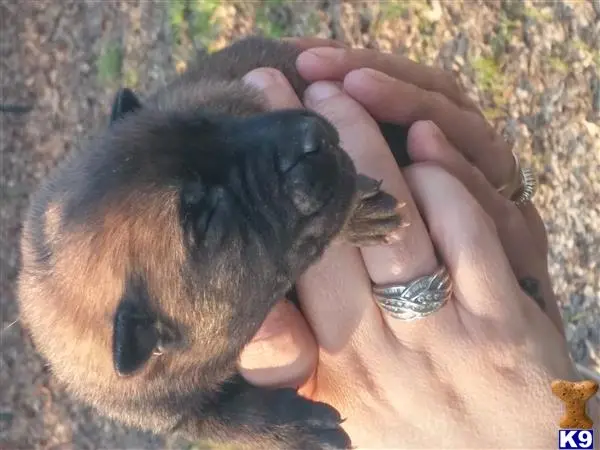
[(533, 67)]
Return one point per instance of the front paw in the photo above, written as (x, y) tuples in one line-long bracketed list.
[(375, 218), (307, 424), (256, 418)]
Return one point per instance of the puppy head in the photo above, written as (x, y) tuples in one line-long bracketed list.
[(216, 217)]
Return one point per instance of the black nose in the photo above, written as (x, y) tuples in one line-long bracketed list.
[(309, 134)]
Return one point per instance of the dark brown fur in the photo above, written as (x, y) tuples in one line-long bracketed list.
[(152, 256)]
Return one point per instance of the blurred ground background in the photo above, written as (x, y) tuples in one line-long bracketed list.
[(533, 67)]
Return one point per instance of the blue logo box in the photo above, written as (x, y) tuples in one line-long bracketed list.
[(576, 439)]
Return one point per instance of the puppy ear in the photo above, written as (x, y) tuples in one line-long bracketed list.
[(125, 102)]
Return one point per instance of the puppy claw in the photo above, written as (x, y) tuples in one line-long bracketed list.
[(368, 187), (274, 418), (376, 219)]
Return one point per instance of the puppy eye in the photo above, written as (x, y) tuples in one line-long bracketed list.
[(168, 339)]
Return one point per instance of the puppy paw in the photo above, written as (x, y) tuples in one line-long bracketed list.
[(251, 417), (307, 424), (376, 218)]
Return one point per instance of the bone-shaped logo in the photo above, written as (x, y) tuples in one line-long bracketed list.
[(575, 396)]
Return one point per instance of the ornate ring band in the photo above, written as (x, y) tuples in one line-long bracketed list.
[(508, 189), (526, 189), (522, 185), (417, 299)]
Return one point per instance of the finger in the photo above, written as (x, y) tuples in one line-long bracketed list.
[(283, 352), (275, 87), (335, 295), (413, 255), (335, 63), (466, 239), (467, 130), (426, 143), (305, 43)]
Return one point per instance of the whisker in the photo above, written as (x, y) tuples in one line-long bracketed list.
[(9, 325)]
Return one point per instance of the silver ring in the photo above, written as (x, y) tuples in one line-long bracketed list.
[(514, 184), (417, 299), (527, 187)]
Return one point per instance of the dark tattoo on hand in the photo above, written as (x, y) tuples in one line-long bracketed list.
[(531, 286)]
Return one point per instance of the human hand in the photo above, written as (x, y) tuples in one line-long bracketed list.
[(427, 93), (367, 361), (329, 59)]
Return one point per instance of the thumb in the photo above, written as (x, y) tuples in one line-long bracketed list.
[(283, 353)]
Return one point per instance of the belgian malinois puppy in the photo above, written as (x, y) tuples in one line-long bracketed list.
[(152, 256)]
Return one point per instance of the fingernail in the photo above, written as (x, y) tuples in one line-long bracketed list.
[(436, 133), (320, 91), (323, 53), (375, 75), (261, 78), (275, 326), (283, 352)]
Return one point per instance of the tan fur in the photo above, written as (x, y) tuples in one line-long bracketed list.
[(117, 209)]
